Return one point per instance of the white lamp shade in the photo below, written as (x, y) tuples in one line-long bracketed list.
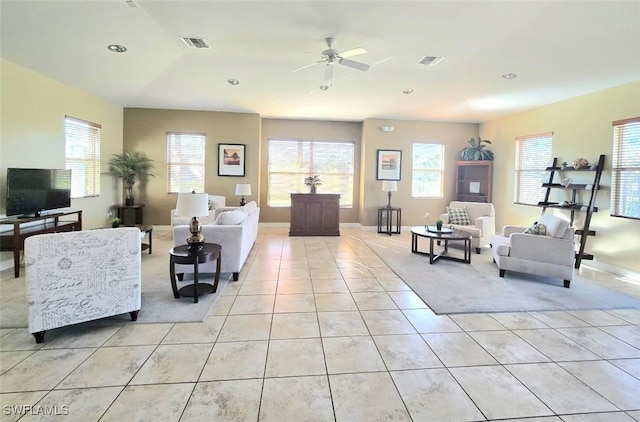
[(389, 186), (243, 189), (192, 205)]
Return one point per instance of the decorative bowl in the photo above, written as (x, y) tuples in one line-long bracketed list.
[(580, 163)]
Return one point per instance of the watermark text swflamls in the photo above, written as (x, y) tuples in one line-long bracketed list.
[(37, 409)]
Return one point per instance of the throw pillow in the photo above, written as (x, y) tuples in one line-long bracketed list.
[(227, 218), (536, 228), (459, 216)]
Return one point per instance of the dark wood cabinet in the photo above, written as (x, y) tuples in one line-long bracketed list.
[(315, 214), (473, 181)]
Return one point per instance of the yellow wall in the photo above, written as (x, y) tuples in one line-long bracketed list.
[(581, 128), (33, 108), (146, 130)]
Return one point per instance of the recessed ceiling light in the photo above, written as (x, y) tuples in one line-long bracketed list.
[(509, 76), (233, 81), (324, 87), (408, 91), (117, 48)]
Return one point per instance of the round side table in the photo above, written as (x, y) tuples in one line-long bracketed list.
[(180, 255)]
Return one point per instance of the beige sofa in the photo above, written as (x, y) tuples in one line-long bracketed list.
[(234, 228), (551, 254), (483, 222)]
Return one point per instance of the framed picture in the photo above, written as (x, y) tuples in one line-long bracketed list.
[(231, 159), (474, 187), (389, 164)]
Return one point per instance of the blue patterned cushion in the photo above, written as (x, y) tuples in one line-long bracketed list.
[(459, 216), (537, 228)]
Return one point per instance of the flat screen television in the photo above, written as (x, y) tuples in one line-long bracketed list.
[(31, 191)]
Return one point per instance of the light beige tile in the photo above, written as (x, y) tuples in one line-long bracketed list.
[(10, 359), (477, 322), (322, 270), (329, 285), (434, 395), (373, 301), (387, 322), (333, 324), (296, 399), (555, 346), (254, 304), (601, 343), (559, 319), (507, 397), (599, 417), (355, 273), (627, 333), (82, 404), (629, 315), (294, 274), (425, 321), (407, 300), (299, 263), (295, 303), (19, 339), (294, 286), (246, 327), (108, 366), (167, 365), (406, 352), (598, 318), (634, 414), (366, 397), (139, 334), (262, 274), (613, 383), (352, 354), (11, 402), (43, 370), (195, 332), (295, 325), (159, 402), (236, 360), (335, 302), (5, 331), (349, 263), (80, 335), (229, 401), (258, 287), (363, 284), (506, 347), (222, 306), (630, 366), (295, 357), (559, 390), (458, 349), (518, 320), (392, 284)]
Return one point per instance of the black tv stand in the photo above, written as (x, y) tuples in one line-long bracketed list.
[(13, 240)]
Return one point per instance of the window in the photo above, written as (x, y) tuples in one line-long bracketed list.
[(625, 169), (291, 161), (185, 162), (82, 156), (533, 156), (427, 172)]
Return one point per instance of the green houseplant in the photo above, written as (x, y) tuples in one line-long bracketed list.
[(439, 224), (313, 182), (477, 151), (130, 167)]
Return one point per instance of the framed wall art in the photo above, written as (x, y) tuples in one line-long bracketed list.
[(389, 164), (231, 159)]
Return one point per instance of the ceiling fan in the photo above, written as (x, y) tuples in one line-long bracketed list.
[(331, 56)]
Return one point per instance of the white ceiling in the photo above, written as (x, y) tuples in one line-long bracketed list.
[(558, 49)]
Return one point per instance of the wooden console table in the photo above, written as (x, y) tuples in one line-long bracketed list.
[(121, 210), (315, 214), (25, 227)]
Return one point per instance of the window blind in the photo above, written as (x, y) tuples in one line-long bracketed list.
[(185, 162), (625, 169), (427, 171), (533, 156), (82, 156), (291, 161)]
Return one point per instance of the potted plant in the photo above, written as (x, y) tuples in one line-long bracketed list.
[(115, 222), (439, 224), (130, 167), (477, 151), (313, 181)]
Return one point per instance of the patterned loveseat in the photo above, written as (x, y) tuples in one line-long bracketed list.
[(481, 223)]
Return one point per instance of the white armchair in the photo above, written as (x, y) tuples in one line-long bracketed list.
[(549, 255), (80, 276), (482, 225)]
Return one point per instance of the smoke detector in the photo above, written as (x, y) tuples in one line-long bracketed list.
[(195, 42)]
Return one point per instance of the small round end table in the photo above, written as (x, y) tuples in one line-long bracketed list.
[(180, 255)]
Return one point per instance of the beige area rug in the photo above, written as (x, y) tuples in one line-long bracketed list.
[(449, 287), (158, 303)]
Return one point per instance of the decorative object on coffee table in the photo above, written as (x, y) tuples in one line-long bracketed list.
[(439, 224)]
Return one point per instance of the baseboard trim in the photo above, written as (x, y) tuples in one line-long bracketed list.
[(603, 266)]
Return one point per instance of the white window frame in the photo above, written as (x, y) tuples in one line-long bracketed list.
[(302, 165), (186, 162), (625, 169), (82, 156), (534, 153), (420, 189)]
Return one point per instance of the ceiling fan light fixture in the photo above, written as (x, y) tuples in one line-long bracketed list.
[(233, 81), (430, 60), (117, 48), (509, 76)]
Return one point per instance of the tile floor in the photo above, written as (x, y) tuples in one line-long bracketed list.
[(319, 329)]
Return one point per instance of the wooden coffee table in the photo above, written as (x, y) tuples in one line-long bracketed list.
[(445, 237)]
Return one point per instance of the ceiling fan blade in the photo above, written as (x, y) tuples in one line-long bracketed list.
[(307, 65), (354, 52), (328, 73), (354, 64)]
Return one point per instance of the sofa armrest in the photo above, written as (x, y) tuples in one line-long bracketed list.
[(542, 249), (509, 230), (487, 224)]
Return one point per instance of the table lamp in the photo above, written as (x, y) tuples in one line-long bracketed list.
[(389, 186), (243, 189), (196, 205)]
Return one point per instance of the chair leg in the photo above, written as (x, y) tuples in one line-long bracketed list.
[(39, 336), (567, 283), (502, 273), (478, 251), (134, 315), (236, 276), (180, 276)]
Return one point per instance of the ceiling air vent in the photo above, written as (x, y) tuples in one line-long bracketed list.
[(195, 42), (430, 60)]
